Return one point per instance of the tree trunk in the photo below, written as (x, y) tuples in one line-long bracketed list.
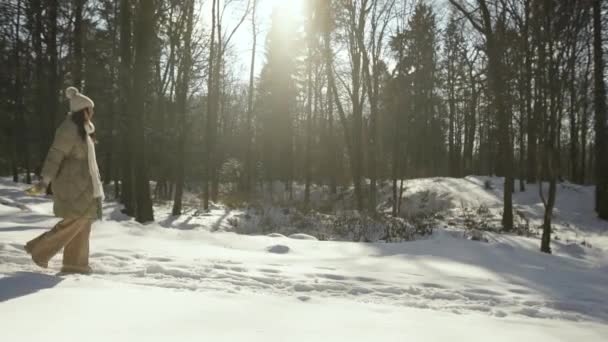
[(211, 115), (44, 138), (545, 245), (471, 124), (331, 141), (401, 189), (373, 137), (77, 44), (525, 98), (127, 177), (522, 147), (20, 128), (249, 162), (112, 167), (53, 77), (504, 118), (182, 98), (396, 159), (452, 168), (572, 117), (309, 99), (144, 33), (601, 167), (585, 118), (357, 156), (531, 117)]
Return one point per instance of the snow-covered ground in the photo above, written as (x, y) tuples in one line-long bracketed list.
[(190, 278)]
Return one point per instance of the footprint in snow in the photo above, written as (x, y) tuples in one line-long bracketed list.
[(432, 285), (161, 259), (519, 291), (278, 249), (304, 298), (303, 288), (269, 270), (359, 290), (484, 292), (325, 268), (331, 276), (500, 313), (365, 279)]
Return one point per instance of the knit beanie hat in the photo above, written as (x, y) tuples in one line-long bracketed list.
[(77, 100)]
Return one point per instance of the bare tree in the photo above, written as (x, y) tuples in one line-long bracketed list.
[(371, 51), (492, 28), (219, 42), (355, 17)]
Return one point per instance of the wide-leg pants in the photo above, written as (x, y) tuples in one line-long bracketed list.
[(70, 234)]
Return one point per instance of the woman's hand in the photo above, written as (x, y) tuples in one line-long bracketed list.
[(37, 190)]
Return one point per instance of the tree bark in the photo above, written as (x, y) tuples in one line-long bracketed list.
[(572, 117), (531, 124), (20, 130), (249, 161), (182, 98), (601, 167), (144, 33), (43, 119), (496, 81), (331, 140), (77, 45), (309, 98), (211, 115), (585, 118), (127, 176)]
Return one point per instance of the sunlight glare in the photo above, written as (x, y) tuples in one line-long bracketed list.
[(289, 9)]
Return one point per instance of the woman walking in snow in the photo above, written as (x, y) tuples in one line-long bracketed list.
[(71, 169)]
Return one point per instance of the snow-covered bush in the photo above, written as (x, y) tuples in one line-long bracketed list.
[(476, 235), (344, 226), (354, 226), (361, 227)]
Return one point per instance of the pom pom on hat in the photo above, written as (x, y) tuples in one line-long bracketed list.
[(78, 101), (70, 92)]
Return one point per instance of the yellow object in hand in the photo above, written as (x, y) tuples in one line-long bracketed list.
[(36, 190)]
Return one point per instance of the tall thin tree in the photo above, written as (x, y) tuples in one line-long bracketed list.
[(601, 166)]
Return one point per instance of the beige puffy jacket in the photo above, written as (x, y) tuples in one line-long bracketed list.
[(67, 168)]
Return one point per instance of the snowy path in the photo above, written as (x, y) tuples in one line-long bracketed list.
[(496, 285), (108, 311)]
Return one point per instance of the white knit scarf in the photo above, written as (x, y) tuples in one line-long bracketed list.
[(93, 169)]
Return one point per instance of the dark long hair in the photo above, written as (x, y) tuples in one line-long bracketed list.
[(78, 119)]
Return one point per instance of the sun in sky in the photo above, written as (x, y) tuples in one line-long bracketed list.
[(290, 12)]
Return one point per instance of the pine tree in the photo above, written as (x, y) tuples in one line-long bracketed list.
[(276, 98)]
